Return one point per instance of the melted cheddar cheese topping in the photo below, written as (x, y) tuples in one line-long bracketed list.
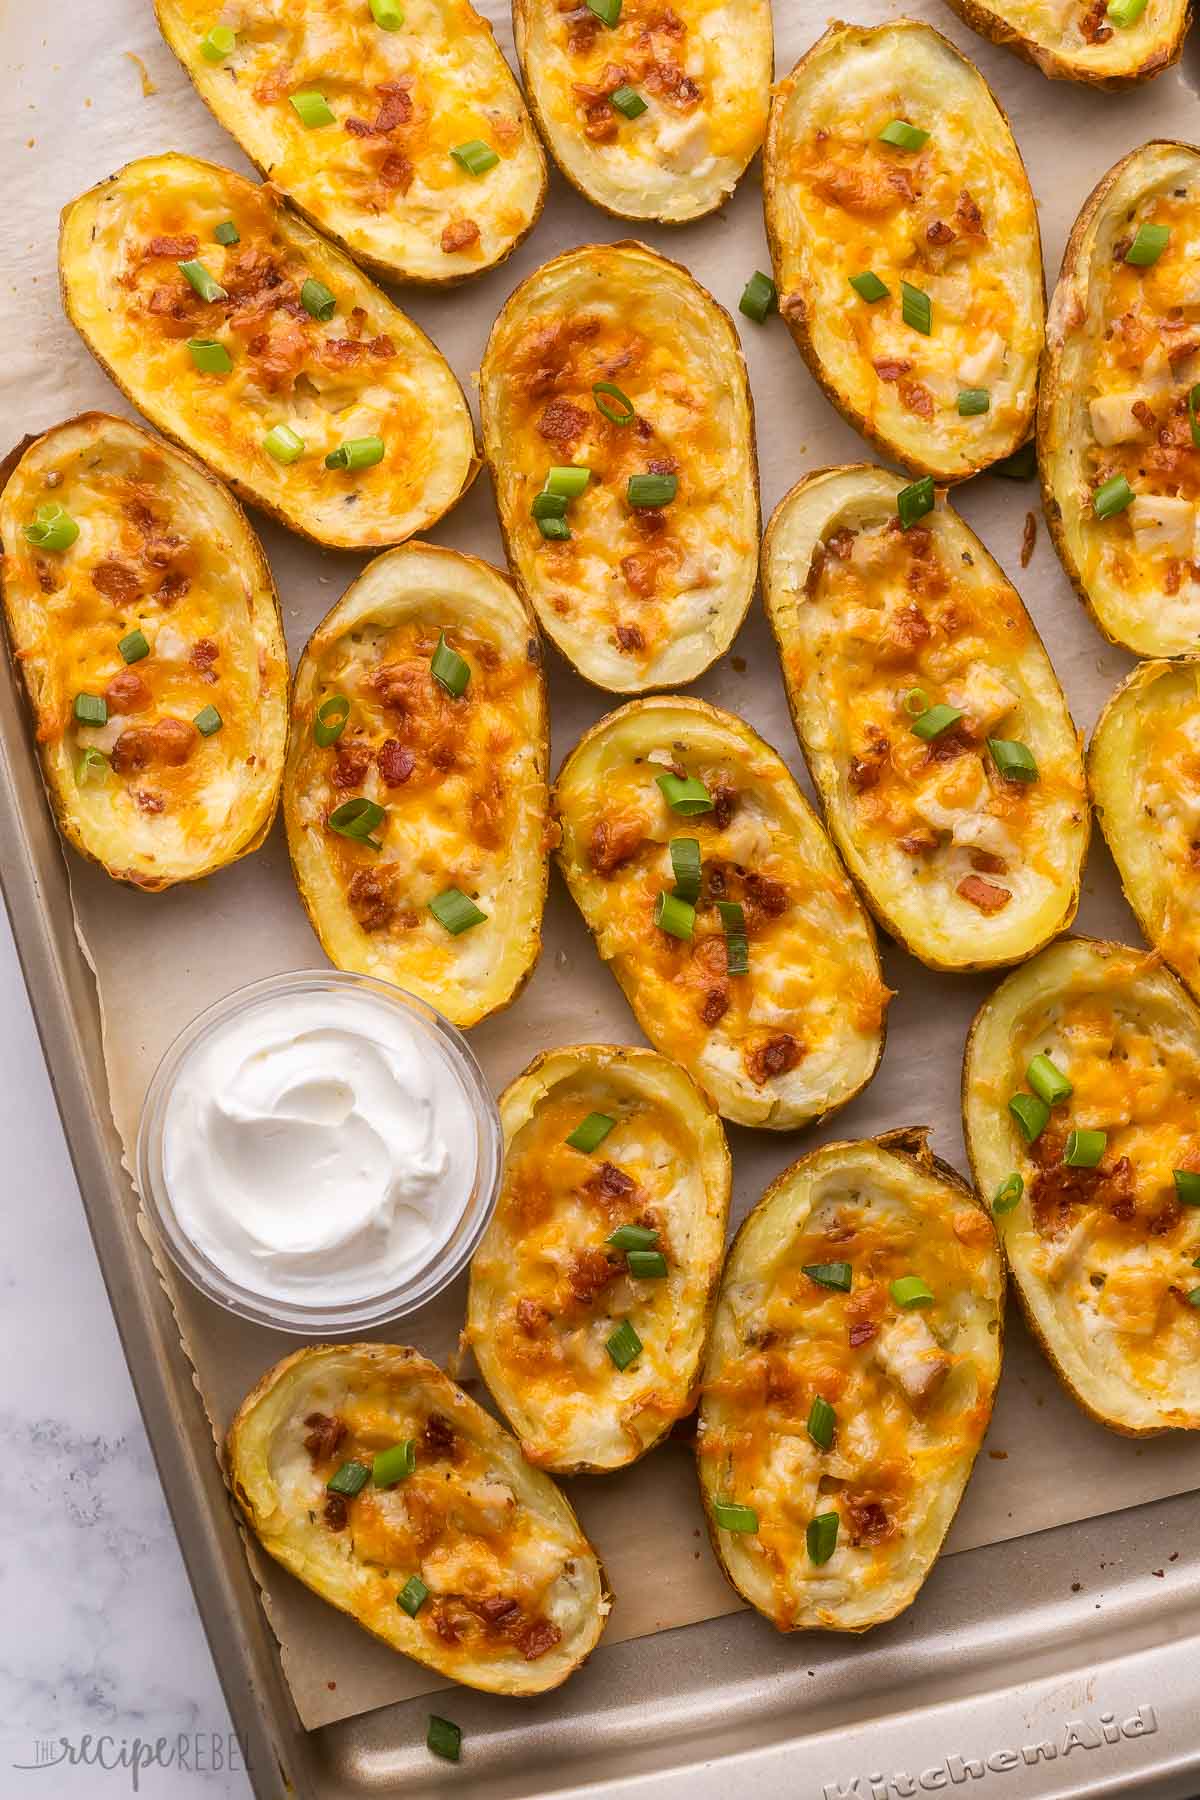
[(1078, 39)]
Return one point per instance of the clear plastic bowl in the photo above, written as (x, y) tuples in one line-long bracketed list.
[(419, 1286)]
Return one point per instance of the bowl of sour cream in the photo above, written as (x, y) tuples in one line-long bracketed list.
[(320, 1152)]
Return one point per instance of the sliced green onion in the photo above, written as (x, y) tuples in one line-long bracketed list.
[(1020, 466), (356, 453), (570, 481), (475, 157), (444, 1738), (449, 668), (822, 1422), (607, 11), (604, 393), (1085, 1148), (972, 401), (330, 720), (1148, 245), (91, 767), (133, 647), (632, 1237), (456, 911), (934, 720), (312, 108), (916, 701), (737, 944), (910, 1290), (651, 490), (357, 819), (218, 43), (202, 280), (730, 1516), (91, 709), (1048, 1081), (1187, 1188), (822, 1536), (760, 296), (685, 794), (395, 1464), (412, 1596), (624, 1345), (282, 443), (318, 300), (1031, 1114), (557, 530), (1008, 1194), (1111, 497), (914, 501), (868, 287), (628, 101), (209, 356), (675, 916), (1193, 402), (685, 866), (1193, 1298), (548, 506), (208, 720), (647, 1265), (916, 308), (903, 136), (1015, 761), (52, 528), (227, 233), (350, 1479), (836, 1275), (591, 1132), (1125, 12), (387, 15)]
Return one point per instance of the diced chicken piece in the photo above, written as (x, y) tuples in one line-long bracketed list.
[(684, 143), (980, 831), (911, 1356), (983, 695), (1161, 522), (1065, 1255), (986, 364), (959, 788), (1130, 1300), (1114, 420)]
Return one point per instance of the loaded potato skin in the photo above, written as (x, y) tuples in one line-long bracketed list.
[(933, 725), (265, 352), (651, 111), (849, 1382), (766, 986), (1084, 41), (1081, 1093), (143, 617), (415, 794), (592, 1289), (905, 244), (612, 367), (376, 169), (392, 1495), (1117, 453)]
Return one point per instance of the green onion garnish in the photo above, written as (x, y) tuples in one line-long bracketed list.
[(208, 720), (868, 287), (1008, 1194), (628, 101), (822, 1536), (759, 297), (737, 944), (1111, 497), (91, 766), (52, 528), (1048, 1081), (934, 720), (651, 490), (350, 1479), (647, 1265), (412, 1596), (357, 819), (282, 443), (217, 44), (685, 866), (449, 668), (903, 136), (632, 1237), (1187, 1187), (916, 701), (916, 308), (356, 453), (914, 501), (387, 15), (624, 1345), (557, 530), (1148, 245), (444, 1738), (604, 393), (227, 233), (330, 720), (1032, 1115), (569, 481), (395, 1464), (675, 916), (475, 157), (1193, 402), (91, 709), (685, 794), (590, 1133), (910, 1290), (545, 505), (312, 108), (209, 356), (202, 280), (972, 401), (822, 1422), (607, 11), (1016, 762), (1125, 12), (317, 300), (1085, 1148), (456, 911), (732, 1517), (830, 1275), (1020, 466), (1193, 1298), (133, 647)]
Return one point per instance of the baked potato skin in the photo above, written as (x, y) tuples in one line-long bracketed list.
[(666, 1163), (175, 201), (600, 153), (897, 1157), (913, 56), (826, 659), (1127, 58), (1142, 765), (323, 172), (811, 942), (993, 1069), (458, 813), (624, 305), (1071, 460), (329, 1403), (149, 516)]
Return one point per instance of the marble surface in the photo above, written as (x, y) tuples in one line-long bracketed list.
[(102, 1637)]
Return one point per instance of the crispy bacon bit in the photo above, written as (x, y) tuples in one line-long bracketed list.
[(177, 248), (369, 900), (496, 1609), (47, 580), (459, 234), (444, 1625), (590, 1273), (840, 544), (336, 1515), (117, 581), (862, 1331), (172, 588), (536, 1638), (866, 769), (1094, 23), (204, 654), (1057, 1187), (949, 744), (396, 171), (325, 1436), (667, 81), (609, 1183), (614, 842), (724, 799), (715, 1005), (439, 1438), (167, 743), (816, 569), (641, 572), (599, 120), (867, 188), (563, 423), (396, 762), (984, 894), (868, 1519), (938, 232), (396, 108), (779, 1054), (532, 1317), (916, 397), (583, 27), (987, 863), (148, 802), (891, 368), (350, 763), (1028, 539), (768, 896), (968, 218), (127, 693), (919, 842), (629, 637), (908, 628)]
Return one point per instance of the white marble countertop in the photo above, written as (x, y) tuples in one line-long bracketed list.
[(103, 1639)]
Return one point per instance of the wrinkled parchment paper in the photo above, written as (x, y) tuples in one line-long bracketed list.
[(81, 103)]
